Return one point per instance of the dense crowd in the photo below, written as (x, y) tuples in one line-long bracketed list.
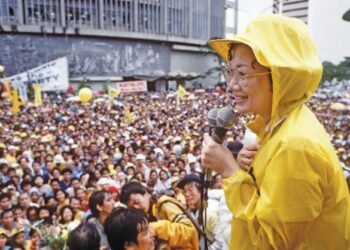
[(53, 158)]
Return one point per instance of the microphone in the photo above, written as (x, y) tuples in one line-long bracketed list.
[(220, 120), (211, 118)]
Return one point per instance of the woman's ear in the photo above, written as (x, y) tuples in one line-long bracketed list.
[(99, 208)]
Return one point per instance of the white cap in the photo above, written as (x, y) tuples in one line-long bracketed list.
[(58, 159), (103, 181), (140, 157), (191, 159)]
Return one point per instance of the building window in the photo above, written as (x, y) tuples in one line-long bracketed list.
[(118, 14), (8, 12), (41, 12), (178, 17), (149, 16), (81, 13)]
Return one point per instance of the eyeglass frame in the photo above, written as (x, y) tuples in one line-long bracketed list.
[(239, 78)]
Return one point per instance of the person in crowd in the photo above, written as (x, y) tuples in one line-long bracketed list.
[(32, 214), (163, 183), (34, 239), (19, 239), (7, 221), (179, 233), (5, 202), (191, 187), (67, 221), (3, 240), (294, 194), (101, 205), (84, 237), (178, 195), (128, 229)]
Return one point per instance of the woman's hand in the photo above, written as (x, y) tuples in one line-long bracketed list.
[(218, 158), (245, 156)]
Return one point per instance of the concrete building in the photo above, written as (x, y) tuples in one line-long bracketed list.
[(292, 8), (162, 41)]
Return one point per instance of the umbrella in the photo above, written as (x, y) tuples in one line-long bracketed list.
[(100, 99), (46, 110), (199, 91), (338, 106), (73, 99)]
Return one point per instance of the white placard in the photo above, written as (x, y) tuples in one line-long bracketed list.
[(52, 76), (132, 86)]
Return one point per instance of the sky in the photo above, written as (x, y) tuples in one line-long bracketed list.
[(249, 9), (331, 34)]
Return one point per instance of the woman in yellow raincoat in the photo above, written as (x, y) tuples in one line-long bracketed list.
[(295, 195)]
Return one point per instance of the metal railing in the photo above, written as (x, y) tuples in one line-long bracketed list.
[(196, 19)]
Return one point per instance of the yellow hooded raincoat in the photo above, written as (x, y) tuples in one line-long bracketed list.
[(300, 198)]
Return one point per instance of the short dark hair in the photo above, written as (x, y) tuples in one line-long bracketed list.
[(131, 188), (25, 182), (97, 198), (5, 211), (121, 227), (84, 237), (4, 195)]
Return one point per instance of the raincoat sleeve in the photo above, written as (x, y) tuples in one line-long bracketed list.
[(174, 227), (290, 198)]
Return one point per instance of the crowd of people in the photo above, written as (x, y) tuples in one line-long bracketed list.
[(65, 165)]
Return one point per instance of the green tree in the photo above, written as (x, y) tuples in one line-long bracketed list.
[(340, 71), (84, 83)]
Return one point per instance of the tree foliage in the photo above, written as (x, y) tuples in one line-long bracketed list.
[(340, 71)]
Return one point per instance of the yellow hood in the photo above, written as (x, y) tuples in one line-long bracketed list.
[(284, 45)]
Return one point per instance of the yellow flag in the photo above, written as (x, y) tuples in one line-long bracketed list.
[(181, 92), (16, 101), (37, 95), (113, 92), (127, 114)]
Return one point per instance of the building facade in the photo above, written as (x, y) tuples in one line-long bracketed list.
[(324, 19), (110, 40), (292, 8)]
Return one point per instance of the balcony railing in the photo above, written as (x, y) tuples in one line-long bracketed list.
[(192, 19)]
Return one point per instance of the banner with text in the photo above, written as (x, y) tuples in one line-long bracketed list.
[(52, 76), (132, 86)]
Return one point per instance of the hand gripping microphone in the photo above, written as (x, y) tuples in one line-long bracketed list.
[(219, 120)]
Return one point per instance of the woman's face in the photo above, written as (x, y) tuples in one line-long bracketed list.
[(39, 181), (80, 194), (3, 240), (108, 204), (60, 196), (163, 176), (67, 215), (256, 94), (154, 176), (33, 215), (56, 174)]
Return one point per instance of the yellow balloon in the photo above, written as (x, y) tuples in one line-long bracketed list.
[(85, 94), (2, 68)]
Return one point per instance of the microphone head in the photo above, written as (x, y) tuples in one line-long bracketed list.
[(225, 118), (211, 117)]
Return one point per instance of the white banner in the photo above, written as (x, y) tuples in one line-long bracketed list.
[(52, 76), (132, 86)]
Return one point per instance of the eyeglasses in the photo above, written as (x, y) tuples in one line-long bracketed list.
[(240, 73)]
